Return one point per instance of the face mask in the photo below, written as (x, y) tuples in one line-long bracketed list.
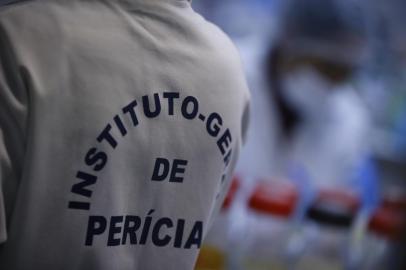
[(306, 90)]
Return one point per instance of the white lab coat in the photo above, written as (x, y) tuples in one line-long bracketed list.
[(120, 125)]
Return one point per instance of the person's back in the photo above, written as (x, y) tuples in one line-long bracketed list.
[(120, 125)]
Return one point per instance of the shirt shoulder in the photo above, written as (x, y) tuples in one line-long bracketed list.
[(219, 39), (28, 25)]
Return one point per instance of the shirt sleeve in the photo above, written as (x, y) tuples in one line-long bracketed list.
[(244, 127), (13, 115)]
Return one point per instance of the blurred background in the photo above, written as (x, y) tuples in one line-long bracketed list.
[(321, 182)]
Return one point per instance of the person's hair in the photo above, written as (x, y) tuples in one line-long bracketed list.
[(287, 116)]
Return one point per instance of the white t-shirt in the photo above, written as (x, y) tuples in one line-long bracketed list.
[(120, 126)]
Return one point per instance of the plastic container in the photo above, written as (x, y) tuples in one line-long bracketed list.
[(271, 206), (384, 242), (327, 230)]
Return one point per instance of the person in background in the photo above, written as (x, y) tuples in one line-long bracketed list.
[(121, 122), (323, 124)]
